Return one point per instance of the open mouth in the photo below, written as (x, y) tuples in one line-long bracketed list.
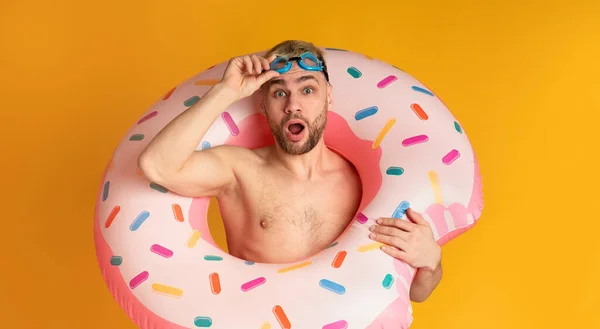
[(295, 127)]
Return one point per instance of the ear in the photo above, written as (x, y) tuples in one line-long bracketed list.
[(329, 97)]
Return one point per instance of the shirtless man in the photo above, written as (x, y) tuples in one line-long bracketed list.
[(287, 201)]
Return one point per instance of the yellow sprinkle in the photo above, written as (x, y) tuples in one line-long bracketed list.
[(369, 57), (194, 237), (294, 267), (266, 325), (207, 82), (369, 247), (383, 132), (435, 185), (167, 290)]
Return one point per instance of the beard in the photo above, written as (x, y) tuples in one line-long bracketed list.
[(314, 129)]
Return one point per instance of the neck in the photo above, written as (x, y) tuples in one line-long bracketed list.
[(304, 166)]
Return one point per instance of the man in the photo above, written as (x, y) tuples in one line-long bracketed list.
[(287, 201)]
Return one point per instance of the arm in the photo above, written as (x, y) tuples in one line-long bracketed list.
[(424, 282)]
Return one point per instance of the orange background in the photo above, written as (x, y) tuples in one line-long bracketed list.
[(521, 76)]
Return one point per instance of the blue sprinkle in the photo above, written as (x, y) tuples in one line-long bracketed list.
[(361, 114), (191, 101), (249, 262), (396, 171), (336, 49), (139, 220), (332, 286), (421, 90), (387, 281), (105, 191), (401, 209), (205, 145)]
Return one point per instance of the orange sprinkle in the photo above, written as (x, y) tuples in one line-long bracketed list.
[(111, 216), (215, 283), (339, 259), (207, 82), (281, 317), (419, 111), (139, 172), (168, 94), (177, 212)]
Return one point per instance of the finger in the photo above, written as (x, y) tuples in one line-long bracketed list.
[(390, 230), (265, 63), (257, 64), (396, 222), (390, 240), (266, 76), (415, 217), (247, 64), (396, 253), (271, 58)]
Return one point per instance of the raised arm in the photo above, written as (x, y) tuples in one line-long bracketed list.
[(171, 159)]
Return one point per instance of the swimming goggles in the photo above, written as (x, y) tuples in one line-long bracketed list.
[(306, 61)]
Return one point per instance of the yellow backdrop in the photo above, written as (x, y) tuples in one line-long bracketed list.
[(521, 76)]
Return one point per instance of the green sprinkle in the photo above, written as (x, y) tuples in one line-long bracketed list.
[(203, 321), (136, 137), (158, 188), (396, 171), (354, 72), (457, 127), (191, 101), (116, 260), (333, 244), (213, 258), (388, 281)]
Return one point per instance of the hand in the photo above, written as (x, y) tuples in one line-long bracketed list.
[(409, 241), (246, 74)]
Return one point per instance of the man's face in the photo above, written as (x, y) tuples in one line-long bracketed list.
[(296, 105)]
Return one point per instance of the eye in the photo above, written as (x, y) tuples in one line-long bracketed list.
[(308, 90), (279, 93)]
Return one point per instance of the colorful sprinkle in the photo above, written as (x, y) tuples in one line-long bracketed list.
[(266, 325), (253, 284), (116, 260), (387, 281), (415, 140), (369, 247), (194, 237), (395, 171), (138, 279), (213, 258), (342, 324), (294, 267), (177, 212), (332, 286), (139, 220), (139, 172), (161, 251), (233, 128), (147, 117), (365, 113), (168, 94), (386, 81), (332, 245), (191, 101), (335, 49), (215, 283), (457, 127), (383, 132), (421, 90), (450, 157), (401, 209), (105, 190), (419, 111), (397, 68), (368, 57), (158, 188), (205, 145), (435, 185), (249, 262), (354, 72), (111, 216), (203, 322), (339, 259), (206, 82), (167, 290), (284, 322), (136, 137), (361, 218)]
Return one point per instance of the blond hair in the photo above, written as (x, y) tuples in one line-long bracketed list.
[(295, 48)]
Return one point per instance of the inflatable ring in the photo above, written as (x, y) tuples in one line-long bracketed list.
[(161, 264)]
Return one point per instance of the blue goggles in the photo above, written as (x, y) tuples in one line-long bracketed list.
[(306, 61)]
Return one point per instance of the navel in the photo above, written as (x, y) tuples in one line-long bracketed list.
[(264, 224)]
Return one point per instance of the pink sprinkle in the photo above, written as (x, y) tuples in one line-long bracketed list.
[(253, 284), (415, 140), (361, 218), (342, 324), (386, 81), (450, 157), (138, 279), (233, 128), (160, 250), (149, 116)]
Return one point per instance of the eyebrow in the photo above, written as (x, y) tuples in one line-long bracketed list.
[(300, 79)]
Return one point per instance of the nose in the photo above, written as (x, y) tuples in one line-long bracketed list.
[(293, 104)]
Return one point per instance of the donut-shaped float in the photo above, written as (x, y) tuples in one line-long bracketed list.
[(162, 265)]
